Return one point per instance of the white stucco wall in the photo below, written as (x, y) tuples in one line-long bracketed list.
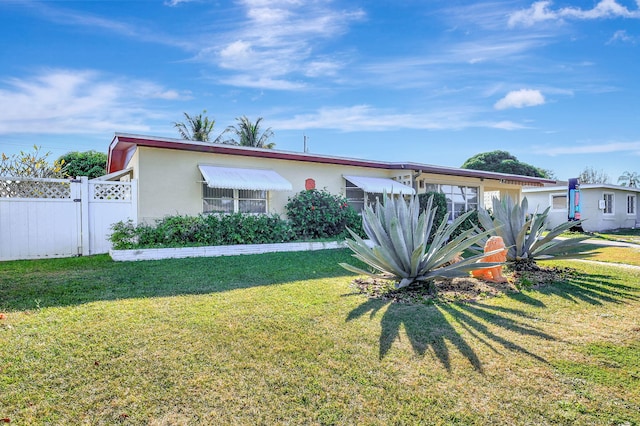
[(170, 182), (590, 196)]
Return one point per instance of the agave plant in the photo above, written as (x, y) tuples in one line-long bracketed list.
[(399, 250), (524, 233)]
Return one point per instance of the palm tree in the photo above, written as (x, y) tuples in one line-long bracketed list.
[(197, 128), (248, 134), (630, 179)]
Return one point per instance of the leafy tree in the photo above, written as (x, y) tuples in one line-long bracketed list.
[(503, 162), (247, 133), (197, 128), (88, 163), (550, 174), (630, 179), (34, 164), (591, 175)]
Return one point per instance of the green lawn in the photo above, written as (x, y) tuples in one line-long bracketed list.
[(284, 339), (603, 253), (611, 254), (627, 235)]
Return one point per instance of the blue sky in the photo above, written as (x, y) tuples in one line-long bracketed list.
[(554, 83)]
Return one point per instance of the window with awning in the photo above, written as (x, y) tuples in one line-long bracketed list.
[(460, 198), (362, 189), (236, 178), (380, 185), (231, 190)]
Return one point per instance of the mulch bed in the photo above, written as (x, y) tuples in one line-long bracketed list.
[(466, 289)]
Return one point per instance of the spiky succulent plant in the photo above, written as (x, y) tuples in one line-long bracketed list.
[(398, 248), (525, 234)]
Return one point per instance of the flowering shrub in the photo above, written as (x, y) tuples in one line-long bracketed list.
[(319, 214)]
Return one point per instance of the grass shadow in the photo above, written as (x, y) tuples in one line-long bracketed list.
[(26, 285), (594, 289), (430, 328), (524, 297), (425, 325), (434, 328)]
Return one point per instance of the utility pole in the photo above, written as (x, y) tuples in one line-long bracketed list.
[(305, 148)]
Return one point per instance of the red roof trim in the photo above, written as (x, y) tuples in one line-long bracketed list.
[(122, 142), (252, 152)]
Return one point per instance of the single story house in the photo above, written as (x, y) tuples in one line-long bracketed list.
[(603, 206), (190, 177)]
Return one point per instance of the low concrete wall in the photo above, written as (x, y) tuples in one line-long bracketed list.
[(214, 251)]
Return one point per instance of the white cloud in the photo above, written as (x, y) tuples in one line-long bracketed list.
[(601, 148), (322, 67), (538, 12), (623, 37), (176, 2), (149, 90), (78, 101), (520, 99), (506, 125), (451, 63), (135, 31), (245, 80), (541, 11), (276, 42), (367, 118), (237, 55)]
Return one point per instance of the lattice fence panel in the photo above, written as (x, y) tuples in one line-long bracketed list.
[(35, 189), (112, 191)]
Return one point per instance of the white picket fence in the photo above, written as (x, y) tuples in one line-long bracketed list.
[(42, 218)]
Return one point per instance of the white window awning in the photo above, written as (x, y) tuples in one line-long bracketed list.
[(235, 178), (380, 185)]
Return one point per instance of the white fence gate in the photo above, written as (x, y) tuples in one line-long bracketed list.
[(41, 218)]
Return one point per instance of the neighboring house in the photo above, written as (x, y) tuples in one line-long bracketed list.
[(603, 206), (189, 177)]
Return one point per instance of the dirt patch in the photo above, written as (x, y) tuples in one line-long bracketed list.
[(465, 289)]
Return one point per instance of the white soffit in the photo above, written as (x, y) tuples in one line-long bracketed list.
[(253, 179), (374, 184), (113, 176)]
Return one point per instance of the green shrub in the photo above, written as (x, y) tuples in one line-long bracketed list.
[(209, 229), (439, 203), (123, 235), (319, 214), (177, 229)]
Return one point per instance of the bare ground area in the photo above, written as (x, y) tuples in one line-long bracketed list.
[(465, 289)]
